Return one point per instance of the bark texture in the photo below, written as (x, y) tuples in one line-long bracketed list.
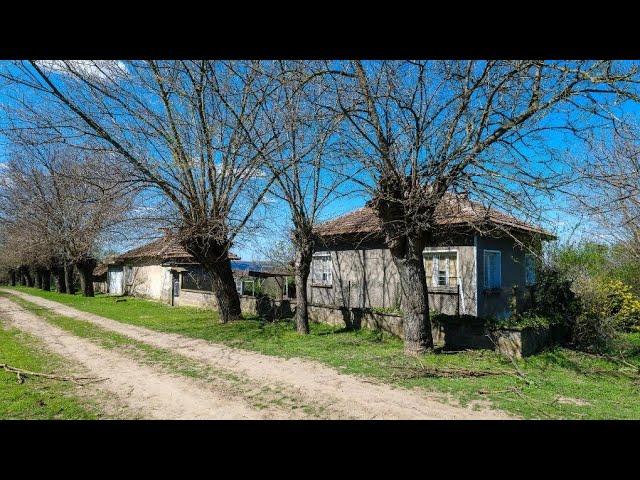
[(46, 280), (214, 257), (85, 269), (27, 279), (59, 280), (69, 284), (302, 269), (415, 304), (37, 278), (405, 212)]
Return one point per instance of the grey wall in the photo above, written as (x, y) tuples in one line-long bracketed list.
[(513, 275), (368, 278)]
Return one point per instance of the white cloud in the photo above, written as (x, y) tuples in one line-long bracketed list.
[(93, 69)]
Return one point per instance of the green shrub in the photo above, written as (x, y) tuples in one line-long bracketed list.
[(520, 321), (555, 298), (608, 308)]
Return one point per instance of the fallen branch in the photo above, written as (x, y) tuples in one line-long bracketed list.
[(22, 374), (424, 371), (518, 373), (532, 401)]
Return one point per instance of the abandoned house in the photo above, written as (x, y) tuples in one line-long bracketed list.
[(163, 270), (480, 259)]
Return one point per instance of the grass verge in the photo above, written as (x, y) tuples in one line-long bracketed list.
[(38, 398), (561, 383), (259, 397)]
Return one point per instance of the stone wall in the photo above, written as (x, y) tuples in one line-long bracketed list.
[(193, 298), (449, 332), (262, 306)]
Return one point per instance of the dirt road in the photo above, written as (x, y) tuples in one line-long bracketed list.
[(159, 395)]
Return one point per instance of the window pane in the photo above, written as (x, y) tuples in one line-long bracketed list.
[(196, 278), (492, 269), (321, 269)]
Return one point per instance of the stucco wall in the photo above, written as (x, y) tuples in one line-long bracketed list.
[(100, 287), (148, 279), (447, 301), (368, 278)]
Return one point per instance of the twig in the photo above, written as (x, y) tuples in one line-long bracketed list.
[(523, 396), (424, 371), (519, 373), (22, 374)]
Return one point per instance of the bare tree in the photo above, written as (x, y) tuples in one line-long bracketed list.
[(608, 187), (59, 204), (307, 167), (426, 129), (194, 131)]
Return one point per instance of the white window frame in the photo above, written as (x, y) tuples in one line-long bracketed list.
[(327, 270), (436, 261), (530, 263), (486, 279)]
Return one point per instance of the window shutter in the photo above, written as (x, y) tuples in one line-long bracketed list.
[(486, 269), (434, 273)]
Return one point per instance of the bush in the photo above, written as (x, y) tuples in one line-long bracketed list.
[(522, 320), (555, 298), (608, 308), (623, 304)]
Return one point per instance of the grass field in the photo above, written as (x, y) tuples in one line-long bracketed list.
[(558, 383), (37, 398)]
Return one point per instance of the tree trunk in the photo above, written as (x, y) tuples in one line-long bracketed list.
[(37, 278), (58, 278), (27, 278), (68, 279), (224, 288), (302, 269), (85, 268), (12, 278), (215, 260), (46, 280), (415, 304)]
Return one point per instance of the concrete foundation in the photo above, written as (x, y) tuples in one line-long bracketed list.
[(449, 332)]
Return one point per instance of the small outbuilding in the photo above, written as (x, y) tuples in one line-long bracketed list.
[(161, 270)]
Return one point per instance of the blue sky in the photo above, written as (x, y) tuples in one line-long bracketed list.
[(558, 217)]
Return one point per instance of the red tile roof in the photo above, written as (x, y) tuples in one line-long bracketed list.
[(164, 248), (452, 211)]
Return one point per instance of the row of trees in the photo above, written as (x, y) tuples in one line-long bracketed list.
[(211, 139), (57, 207)]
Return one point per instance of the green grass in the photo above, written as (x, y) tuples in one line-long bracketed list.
[(555, 377), (171, 362), (37, 398)]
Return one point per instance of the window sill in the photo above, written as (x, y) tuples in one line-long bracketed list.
[(443, 289), (321, 285)]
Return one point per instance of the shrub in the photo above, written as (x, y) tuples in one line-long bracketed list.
[(608, 308), (555, 298), (522, 320), (623, 303)]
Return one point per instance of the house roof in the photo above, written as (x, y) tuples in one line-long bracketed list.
[(164, 248), (454, 210), (101, 269)]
